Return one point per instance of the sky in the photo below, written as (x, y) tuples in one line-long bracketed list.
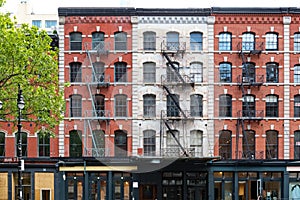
[(50, 7)]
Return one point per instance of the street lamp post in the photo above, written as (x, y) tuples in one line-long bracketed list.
[(21, 105)]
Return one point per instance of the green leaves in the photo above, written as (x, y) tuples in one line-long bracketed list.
[(26, 58)]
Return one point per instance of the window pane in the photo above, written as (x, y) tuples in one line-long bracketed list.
[(75, 106), (75, 146), (271, 41), (2, 144), (172, 105), (44, 144), (98, 143), (196, 105), (271, 145), (272, 73), (225, 103), (149, 105), (120, 72), (50, 23), (149, 72), (297, 106), (120, 143), (297, 42), (225, 144), (75, 41), (297, 145), (172, 41), (196, 41), (248, 106), (99, 105), (37, 23), (225, 72), (271, 106), (98, 72), (196, 72), (297, 74), (248, 42), (248, 73), (149, 143), (248, 144), (120, 41), (120, 105), (75, 72), (98, 41), (225, 42), (149, 41)]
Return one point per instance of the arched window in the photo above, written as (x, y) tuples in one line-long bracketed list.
[(149, 105), (249, 144), (43, 144), (272, 72), (225, 105), (272, 41), (297, 145), (75, 41), (197, 71), (172, 70), (120, 105), (271, 144), (196, 106), (196, 142), (149, 40), (225, 41), (149, 72), (120, 41), (149, 142), (98, 72), (196, 41), (98, 143), (297, 74), (172, 105), (75, 145), (248, 41), (120, 72), (297, 106), (2, 144), (23, 137), (173, 41), (75, 105), (98, 41), (248, 72), (120, 143), (297, 41), (75, 72), (225, 143), (99, 105), (225, 72), (249, 106), (271, 106)]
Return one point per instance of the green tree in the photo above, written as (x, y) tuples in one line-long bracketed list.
[(26, 59)]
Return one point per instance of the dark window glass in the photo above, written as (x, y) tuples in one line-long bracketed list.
[(75, 105), (44, 144), (297, 106), (297, 145), (75, 72), (149, 105), (271, 144), (120, 143), (99, 105), (271, 106), (75, 146), (98, 143), (196, 41), (248, 106), (225, 144), (172, 105), (225, 72), (120, 72), (2, 144), (272, 73), (196, 105), (248, 73), (225, 105), (149, 143), (75, 41), (121, 105), (249, 144)]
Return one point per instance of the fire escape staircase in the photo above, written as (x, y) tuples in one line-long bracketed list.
[(181, 81), (94, 81), (247, 113)]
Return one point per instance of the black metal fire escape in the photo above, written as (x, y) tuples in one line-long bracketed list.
[(248, 80), (171, 49), (94, 82)]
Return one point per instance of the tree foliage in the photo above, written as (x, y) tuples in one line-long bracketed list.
[(26, 59)]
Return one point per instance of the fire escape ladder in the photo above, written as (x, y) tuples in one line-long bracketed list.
[(175, 138), (170, 62), (174, 101)]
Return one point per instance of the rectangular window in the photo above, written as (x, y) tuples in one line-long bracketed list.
[(120, 105), (149, 143), (37, 23), (149, 41), (149, 72), (120, 72), (149, 105), (196, 41), (225, 72), (44, 145), (50, 24), (120, 41), (196, 105), (297, 74), (271, 41), (272, 73), (271, 106), (76, 106), (297, 42), (225, 42), (75, 41)]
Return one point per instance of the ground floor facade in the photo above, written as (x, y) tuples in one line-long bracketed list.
[(151, 179)]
